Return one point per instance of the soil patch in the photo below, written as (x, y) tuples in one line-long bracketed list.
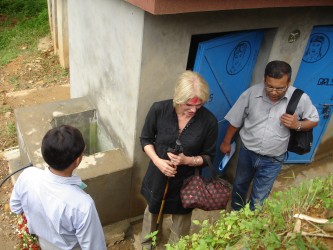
[(38, 70)]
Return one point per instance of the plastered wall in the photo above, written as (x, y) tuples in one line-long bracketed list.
[(105, 62)]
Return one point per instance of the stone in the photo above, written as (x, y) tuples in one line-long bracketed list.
[(115, 233), (7, 208)]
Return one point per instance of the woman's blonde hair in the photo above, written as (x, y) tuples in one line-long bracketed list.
[(189, 85)]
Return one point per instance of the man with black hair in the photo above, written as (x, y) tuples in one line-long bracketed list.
[(57, 209), (260, 114)]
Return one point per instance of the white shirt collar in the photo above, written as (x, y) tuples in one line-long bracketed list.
[(72, 180)]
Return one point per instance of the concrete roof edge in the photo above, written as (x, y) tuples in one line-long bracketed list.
[(164, 7)]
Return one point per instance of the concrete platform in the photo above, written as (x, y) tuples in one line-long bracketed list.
[(107, 173)]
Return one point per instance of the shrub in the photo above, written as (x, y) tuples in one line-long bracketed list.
[(268, 227)]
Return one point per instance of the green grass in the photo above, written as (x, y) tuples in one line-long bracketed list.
[(11, 129), (270, 227), (21, 22)]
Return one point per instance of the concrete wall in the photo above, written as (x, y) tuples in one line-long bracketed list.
[(57, 10), (62, 51), (105, 62)]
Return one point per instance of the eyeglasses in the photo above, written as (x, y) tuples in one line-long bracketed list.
[(279, 90)]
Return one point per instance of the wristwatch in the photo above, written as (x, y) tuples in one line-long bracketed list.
[(299, 126)]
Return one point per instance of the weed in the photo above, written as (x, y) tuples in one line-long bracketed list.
[(153, 237), (11, 129)]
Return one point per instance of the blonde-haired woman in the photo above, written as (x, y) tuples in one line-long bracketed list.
[(182, 119)]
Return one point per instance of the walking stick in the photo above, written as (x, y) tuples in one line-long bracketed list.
[(160, 213), (177, 150)]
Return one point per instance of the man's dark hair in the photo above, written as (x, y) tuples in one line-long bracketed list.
[(61, 146), (277, 69)]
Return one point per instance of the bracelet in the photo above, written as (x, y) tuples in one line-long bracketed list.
[(299, 126), (195, 161)]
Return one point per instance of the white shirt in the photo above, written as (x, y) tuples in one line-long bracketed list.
[(57, 209), (262, 131)]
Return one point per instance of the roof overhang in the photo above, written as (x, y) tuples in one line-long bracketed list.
[(162, 7)]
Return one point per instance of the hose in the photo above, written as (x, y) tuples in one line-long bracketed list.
[(20, 169)]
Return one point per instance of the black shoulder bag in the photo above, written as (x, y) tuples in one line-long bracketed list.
[(300, 142)]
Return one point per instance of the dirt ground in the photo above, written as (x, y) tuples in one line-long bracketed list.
[(29, 71)]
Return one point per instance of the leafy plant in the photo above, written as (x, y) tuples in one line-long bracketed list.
[(153, 237), (268, 227)]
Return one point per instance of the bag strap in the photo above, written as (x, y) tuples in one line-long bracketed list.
[(206, 158), (292, 105)]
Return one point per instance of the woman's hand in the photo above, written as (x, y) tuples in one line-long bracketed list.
[(166, 167), (177, 160), (181, 159)]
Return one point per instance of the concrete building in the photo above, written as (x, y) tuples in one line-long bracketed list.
[(124, 55)]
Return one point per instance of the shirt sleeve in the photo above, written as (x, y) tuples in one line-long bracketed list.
[(306, 110), (15, 198), (89, 232), (238, 111), (149, 129)]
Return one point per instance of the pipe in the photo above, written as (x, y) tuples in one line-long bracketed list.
[(20, 169)]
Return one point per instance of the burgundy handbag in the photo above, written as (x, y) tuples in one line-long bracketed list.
[(205, 193)]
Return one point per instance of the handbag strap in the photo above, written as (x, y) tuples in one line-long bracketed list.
[(292, 105), (210, 165)]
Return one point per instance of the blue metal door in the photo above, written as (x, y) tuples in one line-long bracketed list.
[(227, 63), (315, 77)]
